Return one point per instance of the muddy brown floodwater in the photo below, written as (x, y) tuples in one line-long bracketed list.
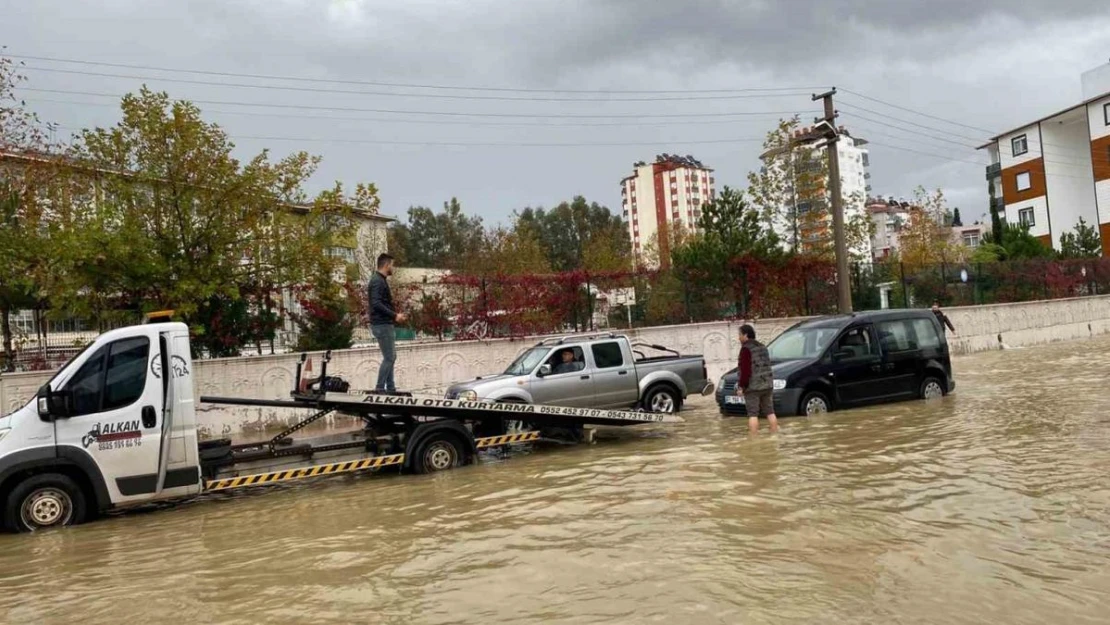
[(989, 506)]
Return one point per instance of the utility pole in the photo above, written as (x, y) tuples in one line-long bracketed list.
[(843, 282)]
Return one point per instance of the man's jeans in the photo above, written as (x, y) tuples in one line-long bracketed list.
[(387, 342)]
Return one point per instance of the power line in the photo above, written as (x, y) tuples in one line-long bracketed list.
[(399, 85), (915, 124), (899, 128), (916, 112), (347, 109), (433, 121), (483, 144)]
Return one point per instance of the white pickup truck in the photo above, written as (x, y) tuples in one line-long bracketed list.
[(116, 427)]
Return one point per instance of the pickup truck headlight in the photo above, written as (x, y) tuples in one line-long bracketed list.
[(779, 385), (468, 395)]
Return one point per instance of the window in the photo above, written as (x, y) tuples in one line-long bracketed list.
[(608, 355), (857, 342), (126, 377), (1106, 113), (1025, 217), (96, 390), (971, 239), (1019, 145), (85, 385), (1023, 181), (567, 360), (896, 336), (926, 332)]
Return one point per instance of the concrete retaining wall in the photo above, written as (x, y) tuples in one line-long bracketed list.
[(430, 367)]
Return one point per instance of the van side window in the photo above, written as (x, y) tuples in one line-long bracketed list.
[(926, 331), (858, 342), (608, 355), (896, 336)]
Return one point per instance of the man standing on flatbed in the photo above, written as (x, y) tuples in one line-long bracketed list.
[(383, 316), (756, 380)]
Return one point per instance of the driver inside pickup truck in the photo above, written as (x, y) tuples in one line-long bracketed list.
[(568, 363)]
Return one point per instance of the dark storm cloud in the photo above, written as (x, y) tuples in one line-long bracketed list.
[(969, 61)]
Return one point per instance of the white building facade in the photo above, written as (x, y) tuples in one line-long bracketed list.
[(669, 192), (1051, 173)]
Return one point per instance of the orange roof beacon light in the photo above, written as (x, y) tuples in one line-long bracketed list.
[(161, 316)]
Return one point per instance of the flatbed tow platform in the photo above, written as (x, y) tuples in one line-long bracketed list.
[(417, 434)]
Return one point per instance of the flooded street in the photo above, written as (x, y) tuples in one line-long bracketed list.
[(992, 505)]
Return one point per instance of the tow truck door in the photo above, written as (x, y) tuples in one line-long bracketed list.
[(116, 412)]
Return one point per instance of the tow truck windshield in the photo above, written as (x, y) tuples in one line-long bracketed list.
[(526, 362)]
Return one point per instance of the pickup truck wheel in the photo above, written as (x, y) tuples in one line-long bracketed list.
[(439, 452), (44, 501), (661, 399)]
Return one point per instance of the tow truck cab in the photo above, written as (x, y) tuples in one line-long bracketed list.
[(115, 426)]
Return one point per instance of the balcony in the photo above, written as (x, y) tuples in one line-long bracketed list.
[(998, 204), (994, 170)]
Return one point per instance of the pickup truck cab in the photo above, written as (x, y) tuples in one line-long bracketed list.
[(594, 371)]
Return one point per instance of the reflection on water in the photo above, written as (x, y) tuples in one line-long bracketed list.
[(988, 506)]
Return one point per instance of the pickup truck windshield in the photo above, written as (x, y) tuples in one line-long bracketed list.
[(801, 344), (526, 362)]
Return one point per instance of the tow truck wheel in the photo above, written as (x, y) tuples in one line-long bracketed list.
[(439, 452), (44, 501)]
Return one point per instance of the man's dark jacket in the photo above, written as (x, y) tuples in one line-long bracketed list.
[(381, 301)]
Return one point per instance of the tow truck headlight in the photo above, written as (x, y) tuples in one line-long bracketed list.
[(779, 385), (4, 432), (468, 395)]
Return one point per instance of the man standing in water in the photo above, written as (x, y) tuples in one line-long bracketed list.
[(756, 380), (382, 320), (943, 318)]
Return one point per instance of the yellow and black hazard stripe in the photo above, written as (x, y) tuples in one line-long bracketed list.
[(506, 439), (259, 479)]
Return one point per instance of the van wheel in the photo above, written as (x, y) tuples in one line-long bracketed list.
[(662, 399), (44, 501), (438, 452), (931, 388), (814, 403)]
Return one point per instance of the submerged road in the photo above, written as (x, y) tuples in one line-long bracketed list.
[(992, 505)]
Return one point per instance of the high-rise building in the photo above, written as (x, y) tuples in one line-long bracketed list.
[(1050, 173), (657, 196), (855, 187)]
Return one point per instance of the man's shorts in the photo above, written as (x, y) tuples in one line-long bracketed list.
[(760, 403)]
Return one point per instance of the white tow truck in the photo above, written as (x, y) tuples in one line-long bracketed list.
[(116, 427)]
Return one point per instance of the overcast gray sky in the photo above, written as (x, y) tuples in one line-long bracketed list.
[(987, 64)]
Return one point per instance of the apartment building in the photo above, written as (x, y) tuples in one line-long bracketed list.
[(1051, 172), (855, 186), (668, 192), (889, 217)]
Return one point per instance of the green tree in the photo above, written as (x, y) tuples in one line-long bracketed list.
[(1082, 242), (566, 232), (1021, 245), (183, 224), (996, 225), (926, 239), (789, 189), (443, 240), (988, 253)]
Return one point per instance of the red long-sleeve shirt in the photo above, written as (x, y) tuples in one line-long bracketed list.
[(745, 369)]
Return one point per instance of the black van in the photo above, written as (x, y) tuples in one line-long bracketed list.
[(842, 361)]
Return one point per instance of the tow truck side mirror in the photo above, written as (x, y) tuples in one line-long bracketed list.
[(545, 370), (52, 404)]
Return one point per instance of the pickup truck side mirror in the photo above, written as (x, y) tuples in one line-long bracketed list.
[(544, 371), (52, 404)]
